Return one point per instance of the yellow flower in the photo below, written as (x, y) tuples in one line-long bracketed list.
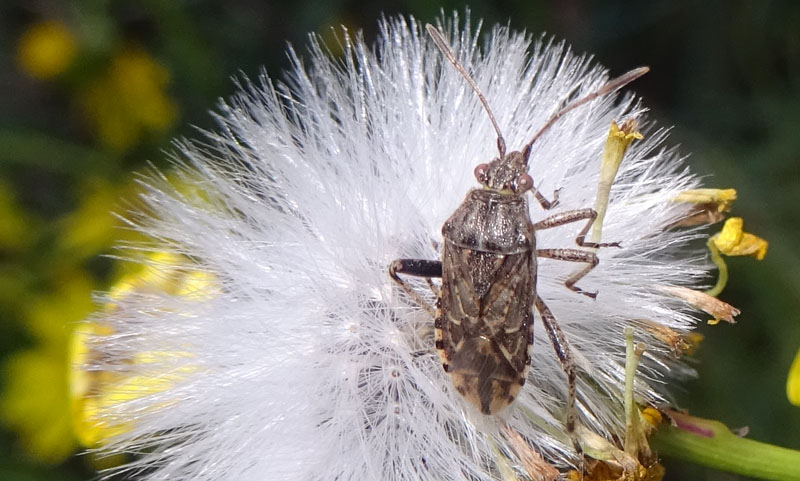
[(129, 100), (92, 227), (732, 240), (15, 226), (793, 382), (617, 143), (709, 205), (35, 401), (46, 49), (720, 199), (93, 392)]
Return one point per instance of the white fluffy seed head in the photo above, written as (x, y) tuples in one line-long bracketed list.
[(309, 363)]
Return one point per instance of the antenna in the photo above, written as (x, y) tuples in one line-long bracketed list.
[(440, 42), (611, 86)]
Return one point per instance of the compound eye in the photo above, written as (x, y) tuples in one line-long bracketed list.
[(524, 182), (480, 172)]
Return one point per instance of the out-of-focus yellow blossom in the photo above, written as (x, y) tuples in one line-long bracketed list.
[(92, 227), (15, 226), (793, 382), (46, 49), (168, 273), (82, 398), (732, 240), (191, 188), (35, 402), (129, 100), (94, 391)]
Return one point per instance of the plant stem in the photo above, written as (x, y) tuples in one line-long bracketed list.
[(711, 443)]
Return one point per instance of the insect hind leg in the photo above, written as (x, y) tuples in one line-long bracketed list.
[(573, 255), (417, 268), (564, 354)]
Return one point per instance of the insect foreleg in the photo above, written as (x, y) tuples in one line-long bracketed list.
[(573, 255), (417, 268), (569, 217), (546, 204), (564, 354)]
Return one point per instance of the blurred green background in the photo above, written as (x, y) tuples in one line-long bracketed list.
[(90, 91)]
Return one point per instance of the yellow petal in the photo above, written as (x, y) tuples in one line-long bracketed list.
[(793, 382), (652, 416), (710, 205), (733, 241), (722, 199), (617, 143)]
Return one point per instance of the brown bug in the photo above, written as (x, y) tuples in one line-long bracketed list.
[(484, 311)]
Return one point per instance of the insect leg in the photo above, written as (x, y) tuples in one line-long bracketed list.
[(564, 354), (573, 255), (433, 287), (418, 268), (569, 217), (546, 204)]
